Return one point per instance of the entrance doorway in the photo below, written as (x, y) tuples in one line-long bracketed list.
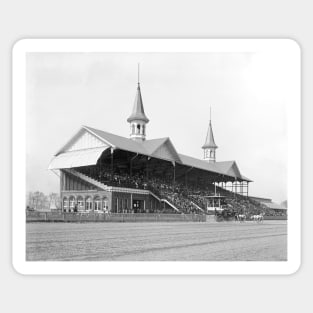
[(138, 206)]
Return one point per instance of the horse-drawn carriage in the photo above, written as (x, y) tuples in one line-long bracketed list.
[(225, 214), (217, 206)]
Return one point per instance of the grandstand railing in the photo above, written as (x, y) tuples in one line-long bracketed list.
[(111, 217)]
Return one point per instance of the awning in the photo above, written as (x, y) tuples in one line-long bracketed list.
[(76, 158)]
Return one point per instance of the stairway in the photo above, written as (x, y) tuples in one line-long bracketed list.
[(86, 178), (165, 201), (105, 187), (171, 205), (197, 206)]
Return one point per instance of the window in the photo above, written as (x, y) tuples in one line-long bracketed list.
[(138, 129), (105, 205), (88, 204), (80, 203), (65, 204), (97, 204), (72, 204)]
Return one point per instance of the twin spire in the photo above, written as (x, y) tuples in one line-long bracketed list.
[(209, 141), (138, 118), (209, 147), (138, 121)]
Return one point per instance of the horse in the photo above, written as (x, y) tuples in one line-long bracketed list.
[(257, 218), (241, 217)]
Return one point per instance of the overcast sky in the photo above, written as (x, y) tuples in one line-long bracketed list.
[(248, 93)]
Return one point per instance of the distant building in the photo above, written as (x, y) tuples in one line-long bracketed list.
[(270, 206)]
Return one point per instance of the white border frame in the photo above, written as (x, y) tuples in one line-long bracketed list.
[(150, 267)]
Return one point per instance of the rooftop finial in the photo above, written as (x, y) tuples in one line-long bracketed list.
[(210, 114), (138, 73)]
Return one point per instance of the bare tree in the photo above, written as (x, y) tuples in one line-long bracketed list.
[(54, 200)]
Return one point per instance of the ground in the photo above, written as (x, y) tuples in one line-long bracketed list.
[(226, 241)]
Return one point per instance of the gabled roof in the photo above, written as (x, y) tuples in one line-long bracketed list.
[(138, 110), (153, 144), (209, 141), (161, 148), (147, 147), (118, 141), (81, 133), (230, 168), (167, 150), (200, 164)]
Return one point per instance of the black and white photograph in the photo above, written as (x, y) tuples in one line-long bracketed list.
[(158, 156)]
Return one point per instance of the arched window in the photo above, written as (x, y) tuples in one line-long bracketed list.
[(212, 154), (80, 203), (97, 202), (105, 204), (88, 203), (138, 129), (65, 204), (72, 204)]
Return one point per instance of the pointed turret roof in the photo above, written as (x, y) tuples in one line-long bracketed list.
[(209, 141), (138, 110)]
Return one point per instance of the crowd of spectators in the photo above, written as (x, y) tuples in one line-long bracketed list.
[(189, 199)]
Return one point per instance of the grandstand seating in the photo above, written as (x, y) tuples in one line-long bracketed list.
[(187, 200)]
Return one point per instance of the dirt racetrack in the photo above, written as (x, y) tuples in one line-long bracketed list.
[(227, 241)]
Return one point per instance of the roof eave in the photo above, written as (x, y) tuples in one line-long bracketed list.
[(209, 147), (137, 118)]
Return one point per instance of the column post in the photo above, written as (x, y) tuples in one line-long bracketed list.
[(112, 164), (174, 174)]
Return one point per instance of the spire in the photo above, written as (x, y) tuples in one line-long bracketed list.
[(138, 112), (209, 141)]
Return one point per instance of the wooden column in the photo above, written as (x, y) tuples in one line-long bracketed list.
[(112, 164), (174, 174)]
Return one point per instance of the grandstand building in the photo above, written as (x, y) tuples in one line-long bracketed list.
[(103, 172)]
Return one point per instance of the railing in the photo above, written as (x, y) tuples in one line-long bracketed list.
[(87, 178), (197, 206), (171, 205), (112, 217), (129, 188)]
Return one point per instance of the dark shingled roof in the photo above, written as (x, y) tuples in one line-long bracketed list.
[(149, 147), (209, 141), (138, 110)]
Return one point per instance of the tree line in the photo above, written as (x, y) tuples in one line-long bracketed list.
[(39, 201)]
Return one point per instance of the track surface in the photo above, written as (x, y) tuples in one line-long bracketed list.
[(231, 241)]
